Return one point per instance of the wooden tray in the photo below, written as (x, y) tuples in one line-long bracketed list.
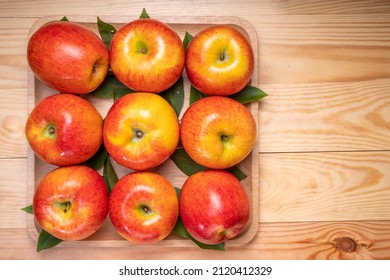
[(107, 235)]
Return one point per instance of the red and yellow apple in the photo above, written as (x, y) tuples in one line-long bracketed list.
[(68, 57), (214, 206), (218, 132), (143, 207), (64, 129), (147, 55), (219, 60), (71, 203), (141, 130)]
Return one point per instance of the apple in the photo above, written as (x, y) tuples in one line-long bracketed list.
[(218, 132), (141, 130), (147, 55), (68, 57), (219, 60), (71, 203), (64, 129), (214, 206), (143, 207)]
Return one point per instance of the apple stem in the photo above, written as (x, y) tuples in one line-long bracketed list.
[(51, 130), (139, 134), (146, 209), (221, 56), (67, 205), (224, 138)]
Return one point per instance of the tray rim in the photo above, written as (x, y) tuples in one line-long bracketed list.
[(252, 229)]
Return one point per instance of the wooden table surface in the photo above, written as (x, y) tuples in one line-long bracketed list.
[(324, 129)]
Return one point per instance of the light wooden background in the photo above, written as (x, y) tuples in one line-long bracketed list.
[(324, 145)]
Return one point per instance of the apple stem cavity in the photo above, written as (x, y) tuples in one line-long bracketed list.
[(146, 209), (139, 134), (141, 47), (222, 56), (65, 206), (50, 131), (224, 138)]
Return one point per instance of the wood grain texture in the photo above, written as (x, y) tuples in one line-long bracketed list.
[(13, 193), (324, 148), (325, 117), (330, 186), (324, 48), (247, 8), (13, 61), (13, 116), (276, 241)]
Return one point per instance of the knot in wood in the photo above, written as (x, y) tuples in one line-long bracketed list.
[(346, 244)]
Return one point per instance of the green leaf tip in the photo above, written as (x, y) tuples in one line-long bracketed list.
[(47, 241), (187, 39), (106, 31), (109, 174), (249, 94), (144, 14), (189, 167), (64, 19), (28, 209)]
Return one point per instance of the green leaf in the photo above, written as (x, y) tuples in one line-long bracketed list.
[(109, 174), (237, 172), (188, 166), (64, 19), (106, 31), (195, 94), (144, 14), (180, 230), (187, 39), (111, 88), (185, 163), (175, 95), (97, 161), (249, 94), (28, 209), (46, 241)]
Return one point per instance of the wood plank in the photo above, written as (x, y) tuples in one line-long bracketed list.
[(293, 118), (300, 187), (325, 48), (325, 117), (13, 193), (13, 116), (330, 186), (287, 241), (168, 7), (13, 45), (293, 49)]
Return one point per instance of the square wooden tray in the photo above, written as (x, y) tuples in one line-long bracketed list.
[(107, 235)]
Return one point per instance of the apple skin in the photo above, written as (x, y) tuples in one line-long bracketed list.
[(68, 57), (218, 132), (219, 61), (141, 131), (143, 207), (64, 129), (147, 55), (71, 203), (214, 206)]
